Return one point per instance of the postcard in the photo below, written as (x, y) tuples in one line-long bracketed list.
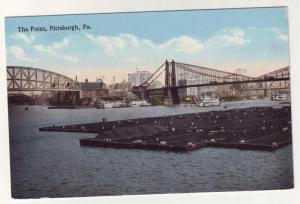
[(150, 102)]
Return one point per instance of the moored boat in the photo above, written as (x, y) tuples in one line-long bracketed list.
[(207, 101), (279, 97), (140, 103)]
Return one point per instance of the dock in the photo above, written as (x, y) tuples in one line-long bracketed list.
[(256, 128)]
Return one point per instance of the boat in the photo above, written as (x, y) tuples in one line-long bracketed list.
[(207, 101), (279, 97), (140, 103), (145, 103), (115, 104), (108, 105)]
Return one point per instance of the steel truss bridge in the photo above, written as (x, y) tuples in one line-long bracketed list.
[(177, 75), (21, 78)]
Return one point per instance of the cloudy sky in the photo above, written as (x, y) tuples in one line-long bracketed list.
[(118, 44)]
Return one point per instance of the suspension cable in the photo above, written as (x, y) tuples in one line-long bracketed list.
[(156, 77), (152, 75)]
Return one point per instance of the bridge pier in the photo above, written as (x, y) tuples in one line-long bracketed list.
[(67, 97), (141, 92), (171, 97)]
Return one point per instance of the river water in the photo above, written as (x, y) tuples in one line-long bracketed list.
[(52, 164)]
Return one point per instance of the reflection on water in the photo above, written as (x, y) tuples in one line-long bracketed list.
[(50, 164)]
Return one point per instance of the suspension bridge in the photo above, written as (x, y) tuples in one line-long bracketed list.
[(178, 76)]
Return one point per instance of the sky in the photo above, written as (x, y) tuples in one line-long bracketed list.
[(117, 44)]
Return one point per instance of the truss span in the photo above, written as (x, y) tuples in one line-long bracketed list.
[(21, 78), (277, 74)]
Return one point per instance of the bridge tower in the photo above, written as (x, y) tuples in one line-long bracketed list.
[(171, 96)]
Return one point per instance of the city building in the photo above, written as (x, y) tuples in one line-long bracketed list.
[(119, 88), (156, 85), (138, 77), (92, 90), (184, 79)]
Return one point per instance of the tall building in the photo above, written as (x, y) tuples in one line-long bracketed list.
[(184, 79), (138, 77)]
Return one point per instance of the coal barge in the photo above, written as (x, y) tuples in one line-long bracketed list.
[(257, 128)]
